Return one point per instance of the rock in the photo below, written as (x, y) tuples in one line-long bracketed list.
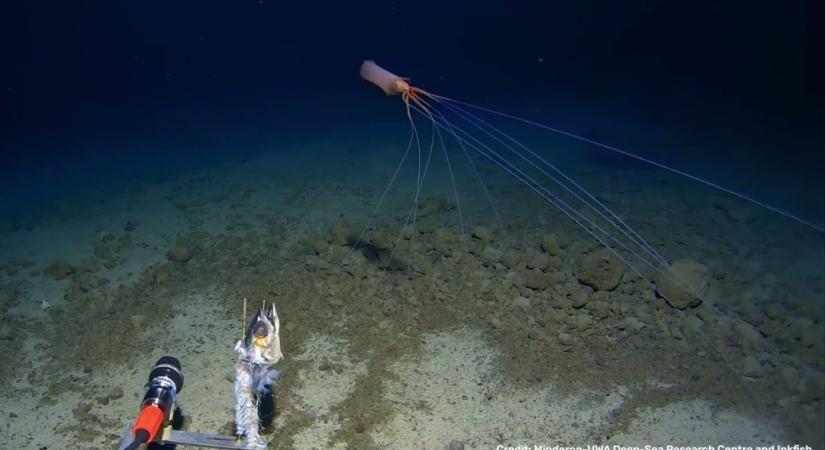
[(482, 233), (496, 323), (455, 445), (102, 251), (428, 225), (490, 256), (125, 241), (583, 322), (565, 339), (180, 253), (521, 302), (537, 280), (751, 367), (445, 241), (789, 375), (539, 261), (670, 285), (340, 234), (601, 270), (115, 393), (772, 327), (318, 245), (750, 338), (60, 270), (812, 389), (693, 325), (550, 244), (773, 310), (6, 332), (431, 205), (162, 274), (633, 324), (511, 258), (579, 299), (809, 334), (599, 309)]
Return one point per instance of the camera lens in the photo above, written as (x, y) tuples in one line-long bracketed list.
[(168, 367)]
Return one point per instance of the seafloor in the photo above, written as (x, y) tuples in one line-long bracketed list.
[(476, 339)]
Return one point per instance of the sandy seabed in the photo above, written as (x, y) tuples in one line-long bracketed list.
[(469, 340)]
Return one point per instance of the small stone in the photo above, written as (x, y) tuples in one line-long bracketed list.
[(180, 253), (496, 323), (633, 324), (455, 445), (772, 327), (444, 239), (565, 339), (751, 367), (599, 309), (358, 271), (490, 256), (340, 234), (550, 244), (812, 389), (125, 241), (115, 393), (583, 321), (521, 302), (539, 261), (789, 375), (318, 245), (60, 270), (579, 299), (102, 251), (773, 310), (693, 324), (511, 258), (750, 338), (537, 280), (482, 233), (431, 205)]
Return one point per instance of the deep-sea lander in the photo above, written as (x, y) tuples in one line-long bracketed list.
[(257, 352)]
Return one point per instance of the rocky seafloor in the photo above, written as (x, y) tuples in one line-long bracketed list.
[(554, 308)]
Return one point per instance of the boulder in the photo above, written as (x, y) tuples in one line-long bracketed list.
[(685, 284), (601, 270)]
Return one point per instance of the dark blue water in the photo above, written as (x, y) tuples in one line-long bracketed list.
[(732, 85)]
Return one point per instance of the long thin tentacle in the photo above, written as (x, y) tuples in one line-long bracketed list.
[(637, 157), (384, 194), (452, 182), (585, 223), (573, 187)]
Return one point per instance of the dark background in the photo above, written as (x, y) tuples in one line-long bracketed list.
[(86, 74)]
